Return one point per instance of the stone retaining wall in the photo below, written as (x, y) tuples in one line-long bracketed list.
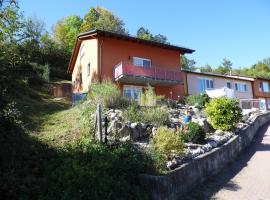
[(181, 180)]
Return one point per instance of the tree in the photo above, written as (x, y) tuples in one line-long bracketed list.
[(66, 31), (160, 38), (227, 64), (225, 67), (206, 68), (188, 64), (100, 18), (34, 28), (144, 33)]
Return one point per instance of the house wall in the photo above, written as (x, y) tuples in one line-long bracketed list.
[(219, 82), (260, 94), (114, 51), (87, 54)]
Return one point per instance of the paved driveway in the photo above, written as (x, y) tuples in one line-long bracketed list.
[(247, 178)]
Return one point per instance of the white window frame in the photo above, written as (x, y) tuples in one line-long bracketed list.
[(133, 89), (141, 64), (240, 87), (265, 86), (204, 87)]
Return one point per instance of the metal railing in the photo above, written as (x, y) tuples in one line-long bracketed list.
[(257, 104), (158, 73)]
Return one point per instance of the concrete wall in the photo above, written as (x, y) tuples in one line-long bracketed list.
[(219, 82), (181, 180)]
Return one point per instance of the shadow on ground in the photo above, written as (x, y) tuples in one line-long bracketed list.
[(222, 180)]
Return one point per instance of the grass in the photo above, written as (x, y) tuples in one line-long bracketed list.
[(53, 157)]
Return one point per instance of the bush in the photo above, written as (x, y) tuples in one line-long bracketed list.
[(148, 98), (198, 100), (167, 142), (223, 113), (157, 116), (109, 95), (195, 133)]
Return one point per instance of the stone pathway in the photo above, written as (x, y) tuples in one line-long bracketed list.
[(247, 178)]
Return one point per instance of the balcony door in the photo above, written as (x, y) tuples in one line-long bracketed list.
[(132, 92), (142, 62)]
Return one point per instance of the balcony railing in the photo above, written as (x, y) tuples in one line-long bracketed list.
[(128, 69)]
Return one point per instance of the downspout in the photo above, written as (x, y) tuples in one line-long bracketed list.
[(100, 59)]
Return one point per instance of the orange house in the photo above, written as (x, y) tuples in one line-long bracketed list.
[(131, 62)]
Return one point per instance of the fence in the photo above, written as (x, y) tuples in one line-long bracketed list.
[(253, 104)]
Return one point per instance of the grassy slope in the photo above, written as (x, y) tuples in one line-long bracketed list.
[(44, 162)]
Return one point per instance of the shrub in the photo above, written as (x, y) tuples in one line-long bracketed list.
[(198, 100), (195, 133), (223, 113), (148, 98), (167, 142), (157, 116), (133, 113), (109, 95)]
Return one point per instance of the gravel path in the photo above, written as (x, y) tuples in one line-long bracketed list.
[(247, 178)]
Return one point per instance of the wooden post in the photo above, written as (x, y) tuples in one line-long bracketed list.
[(106, 122), (99, 122)]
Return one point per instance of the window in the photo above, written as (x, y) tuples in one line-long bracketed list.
[(205, 84), (132, 92), (142, 62), (240, 87), (88, 69), (265, 87), (260, 87), (229, 85)]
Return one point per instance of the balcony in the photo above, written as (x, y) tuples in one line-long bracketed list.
[(126, 72)]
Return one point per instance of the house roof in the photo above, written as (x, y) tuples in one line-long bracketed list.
[(237, 77), (96, 32)]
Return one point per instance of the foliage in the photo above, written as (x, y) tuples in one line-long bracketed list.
[(188, 64), (100, 18), (144, 33), (148, 97), (167, 142), (195, 133), (66, 31), (157, 116), (198, 100), (223, 113), (108, 94), (206, 68)]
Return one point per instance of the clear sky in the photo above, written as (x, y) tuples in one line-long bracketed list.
[(236, 29)]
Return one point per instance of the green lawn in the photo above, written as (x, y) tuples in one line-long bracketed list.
[(53, 157)]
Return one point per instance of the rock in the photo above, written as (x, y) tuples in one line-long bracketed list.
[(174, 120), (133, 125), (219, 132), (154, 129), (125, 131), (204, 124), (213, 144), (135, 134), (172, 164), (125, 139), (112, 115), (207, 147)]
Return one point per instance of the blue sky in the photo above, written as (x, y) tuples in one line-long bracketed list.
[(236, 29)]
